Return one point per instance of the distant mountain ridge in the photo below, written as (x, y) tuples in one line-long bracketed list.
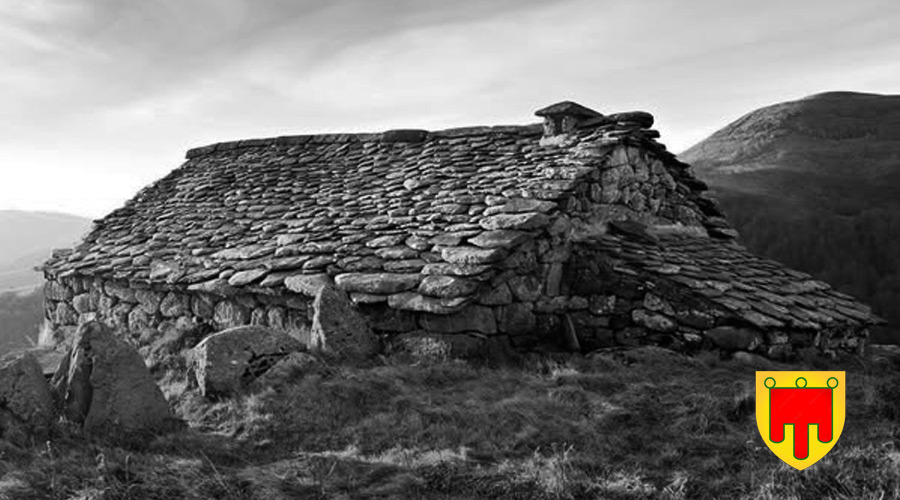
[(815, 183), (26, 240)]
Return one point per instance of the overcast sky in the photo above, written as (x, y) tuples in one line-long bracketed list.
[(101, 97)]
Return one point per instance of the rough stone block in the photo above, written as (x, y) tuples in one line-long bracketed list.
[(224, 363), (26, 403), (521, 221), (734, 339), (471, 319), (447, 286), (502, 238), (230, 314), (82, 303), (337, 326), (653, 321), (174, 305), (203, 306), (497, 296), (148, 300), (472, 255), (602, 305), (307, 284), (377, 283), (410, 301), (54, 290), (106, 387), (525, 288), (517, 318)]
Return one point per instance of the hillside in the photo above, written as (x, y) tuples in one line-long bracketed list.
[(640, 424), (26, 239), (815, 183)]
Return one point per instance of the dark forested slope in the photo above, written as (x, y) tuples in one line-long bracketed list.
[(815, 183)]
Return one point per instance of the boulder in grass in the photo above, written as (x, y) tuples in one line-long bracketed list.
[(338, 327), (227, 362), (104, 386), (26, 403)]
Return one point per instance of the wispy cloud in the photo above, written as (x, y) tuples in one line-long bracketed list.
[(106, 95)]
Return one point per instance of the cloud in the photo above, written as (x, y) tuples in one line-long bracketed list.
[(121, 89)]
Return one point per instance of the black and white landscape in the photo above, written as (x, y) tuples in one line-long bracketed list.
[(482, 249)]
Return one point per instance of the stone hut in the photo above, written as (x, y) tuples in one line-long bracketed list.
[(580, 232)]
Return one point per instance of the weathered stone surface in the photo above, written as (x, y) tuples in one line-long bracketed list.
[(521, 221), (148, 300), (499, 295), (105, 387), (655, 303), (367, 298), (552, 305), (203, 306), (276, 318), (307, 284), (754, 360), (471, 319), (224, 363), (26, 404), (516, 318), (447, 286), (630, 336), (578, 303), (602, 305), (472, 255), (404, 266), (781, 352), (695, 319), (230, 314), (396, 253), (377, 283), (734, 339), (525, 288), (520, 205), (174, 305), (386, 241), (139, 320), (410, 301), (337, 326), (455, 269), (82, 303), (65, 314), (501, 238), (553, 279), (216, 286), (119, 291), (653, 321), (243, 278), (55, 290)]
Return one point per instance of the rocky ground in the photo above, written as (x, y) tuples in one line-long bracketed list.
[(644, 423)]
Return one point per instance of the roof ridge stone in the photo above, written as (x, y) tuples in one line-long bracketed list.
[(392, 135)]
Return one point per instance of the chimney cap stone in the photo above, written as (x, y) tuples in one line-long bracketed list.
[(568, 108)]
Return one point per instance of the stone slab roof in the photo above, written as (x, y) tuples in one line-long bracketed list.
[(249, 214), (760, 291)]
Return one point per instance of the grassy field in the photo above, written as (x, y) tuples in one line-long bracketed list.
[(639, 424)]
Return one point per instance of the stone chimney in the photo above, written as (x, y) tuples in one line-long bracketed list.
[(564, 117)]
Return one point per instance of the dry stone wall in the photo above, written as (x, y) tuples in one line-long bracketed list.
[(146, 313)]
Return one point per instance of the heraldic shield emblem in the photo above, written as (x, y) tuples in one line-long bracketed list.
[(800, 414)]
